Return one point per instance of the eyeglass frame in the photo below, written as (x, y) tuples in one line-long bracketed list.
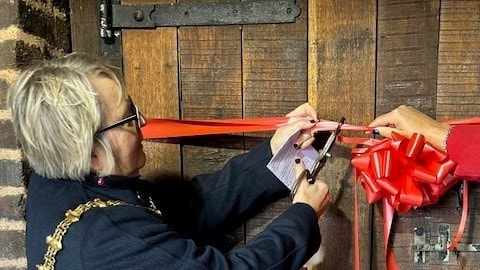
[(137, 115)]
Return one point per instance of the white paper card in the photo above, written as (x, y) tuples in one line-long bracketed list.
[(282, 164)]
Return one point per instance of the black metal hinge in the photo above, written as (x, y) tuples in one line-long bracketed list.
[(114, 17)]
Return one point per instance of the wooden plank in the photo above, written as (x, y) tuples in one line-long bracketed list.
[(85, 22), (275, 66), (210, 72), (274, 82), (407, 54), (458, 94), (210, 69), (406, 74), (274, 69), (341, 74), (151, 76), (211, 88)]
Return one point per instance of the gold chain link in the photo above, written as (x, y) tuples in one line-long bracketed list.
[(54, 241)]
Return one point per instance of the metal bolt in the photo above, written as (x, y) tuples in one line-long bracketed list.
[(419, 231), (289, 10), (139, 16)]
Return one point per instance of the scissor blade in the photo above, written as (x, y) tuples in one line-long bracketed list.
[(320, 160), (331, 139)]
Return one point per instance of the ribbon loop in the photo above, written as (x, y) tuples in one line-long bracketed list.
[(408, 171)]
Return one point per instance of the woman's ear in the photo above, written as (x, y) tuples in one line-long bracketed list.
[(96, 160)]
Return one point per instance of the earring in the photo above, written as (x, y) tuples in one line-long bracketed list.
[(100, 180)]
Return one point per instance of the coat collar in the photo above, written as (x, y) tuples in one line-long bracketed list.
[(113, 181)]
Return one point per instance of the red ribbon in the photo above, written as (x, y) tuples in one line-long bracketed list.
[(157, 128), (170, 128)]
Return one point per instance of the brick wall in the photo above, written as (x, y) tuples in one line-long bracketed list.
[(29, 30)]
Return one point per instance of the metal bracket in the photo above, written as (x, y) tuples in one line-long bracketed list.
[(467, 248), (114, 17), (420, 245), (110, 38)]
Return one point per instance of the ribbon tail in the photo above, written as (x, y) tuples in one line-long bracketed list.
[(463, 219), (387, 213), (356, 229)]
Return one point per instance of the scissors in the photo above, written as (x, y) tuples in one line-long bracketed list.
[(320, 160)]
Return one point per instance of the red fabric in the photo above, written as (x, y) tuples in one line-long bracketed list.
[(462, 149)]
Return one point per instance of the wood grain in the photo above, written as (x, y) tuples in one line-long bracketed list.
[(85, 26), (341, 82), (407, 55), (211, 88), (274, 83), (150, 64), (406, 74), (458, 94)]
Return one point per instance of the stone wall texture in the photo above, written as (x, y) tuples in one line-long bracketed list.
[(30, 30)]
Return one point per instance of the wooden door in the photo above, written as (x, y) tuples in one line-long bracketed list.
[(351, 58), (428, 56)]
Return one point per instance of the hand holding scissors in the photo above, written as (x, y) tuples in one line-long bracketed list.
[(320, 160)]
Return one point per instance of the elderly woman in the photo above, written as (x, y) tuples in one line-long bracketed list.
[(80, 133)]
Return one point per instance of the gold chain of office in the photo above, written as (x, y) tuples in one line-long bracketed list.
[(54, 241)]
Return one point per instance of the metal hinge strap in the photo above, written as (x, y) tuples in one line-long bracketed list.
[(114, 16)]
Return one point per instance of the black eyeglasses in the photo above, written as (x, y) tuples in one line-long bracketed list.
[(137, 116)]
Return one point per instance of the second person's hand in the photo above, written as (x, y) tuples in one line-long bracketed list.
[(406, 120)]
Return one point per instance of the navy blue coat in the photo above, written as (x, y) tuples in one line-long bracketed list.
[(193, 213)]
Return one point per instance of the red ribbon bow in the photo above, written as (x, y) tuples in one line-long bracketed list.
[(409, 173)]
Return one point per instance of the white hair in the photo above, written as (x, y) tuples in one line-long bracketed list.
[(56, 112)]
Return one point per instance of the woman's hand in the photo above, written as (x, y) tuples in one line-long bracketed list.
[(302, 118), (316, 195), (406, 120)]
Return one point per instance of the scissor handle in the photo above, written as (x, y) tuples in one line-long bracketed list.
[(297, 183), (311, 176)]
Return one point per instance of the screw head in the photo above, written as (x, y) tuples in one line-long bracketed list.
[(138, 16)]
